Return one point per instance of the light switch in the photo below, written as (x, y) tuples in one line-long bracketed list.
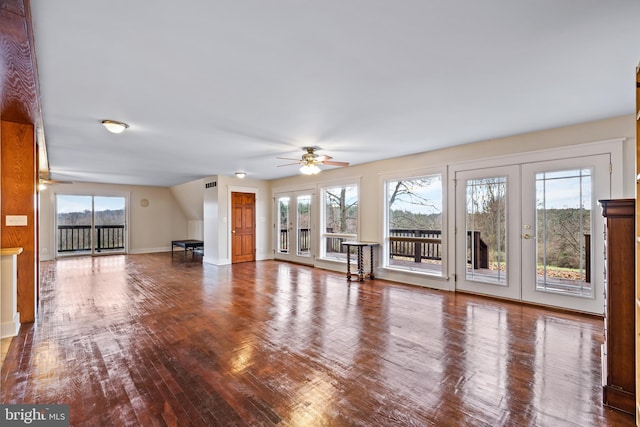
[(15, 220)]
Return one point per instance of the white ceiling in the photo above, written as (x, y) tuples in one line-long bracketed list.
[(214, 87)]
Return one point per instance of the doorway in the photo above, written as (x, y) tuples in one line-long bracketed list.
[(90, 225), (294, 230), (243, 230), (531, 231)]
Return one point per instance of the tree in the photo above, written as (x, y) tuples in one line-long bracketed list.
[(342, 209), (415, 210)]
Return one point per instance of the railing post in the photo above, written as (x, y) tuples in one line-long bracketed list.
[(417, 248), (476, 250), (587, 263)]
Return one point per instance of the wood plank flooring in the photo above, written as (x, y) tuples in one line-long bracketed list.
[(151, 340)]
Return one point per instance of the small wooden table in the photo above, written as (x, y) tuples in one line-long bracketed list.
[(360, 246)]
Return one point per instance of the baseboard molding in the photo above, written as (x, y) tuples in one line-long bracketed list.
[(10, 329), (150, 250)]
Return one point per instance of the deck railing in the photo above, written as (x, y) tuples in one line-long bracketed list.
[(304, 240), (417, 244), (77, 238)]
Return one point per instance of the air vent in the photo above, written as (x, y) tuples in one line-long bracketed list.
[(211, 184)]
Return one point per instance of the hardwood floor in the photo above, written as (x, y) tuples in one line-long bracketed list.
[(147, 340)]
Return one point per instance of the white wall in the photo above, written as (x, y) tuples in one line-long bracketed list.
[(181, 211), (369, 174), (151, 228), (211, 221), (190, 198), (217, 217)]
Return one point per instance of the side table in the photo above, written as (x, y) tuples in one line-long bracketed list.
[(360, 274)]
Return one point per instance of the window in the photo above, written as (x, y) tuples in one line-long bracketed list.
[(414, 228), (339, 219)]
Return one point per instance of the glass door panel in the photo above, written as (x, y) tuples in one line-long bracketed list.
[(486, 220), (303, 222), (109, 224), (73, 224), (487, 242), (562, 232), (283, 224)]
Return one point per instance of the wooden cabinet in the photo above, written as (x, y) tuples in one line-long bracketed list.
[(637, 244), (619, 378)]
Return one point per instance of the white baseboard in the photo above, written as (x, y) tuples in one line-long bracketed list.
[(150, 250), (10, 329)]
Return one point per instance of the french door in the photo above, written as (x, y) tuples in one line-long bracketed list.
[(294, 230), (533, 231), (90, 225)]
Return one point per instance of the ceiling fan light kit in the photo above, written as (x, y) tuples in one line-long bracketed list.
[(310, 161), (310, 169), (241, 174), (114, 126)]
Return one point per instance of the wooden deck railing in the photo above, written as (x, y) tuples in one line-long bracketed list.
[(77, 238), (420, 244), (304, 240), (416, 244)]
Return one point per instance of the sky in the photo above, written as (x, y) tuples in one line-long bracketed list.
[(66, 203)]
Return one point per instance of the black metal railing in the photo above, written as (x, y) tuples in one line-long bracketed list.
[(77, 238)]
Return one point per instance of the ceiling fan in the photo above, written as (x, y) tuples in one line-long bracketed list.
[(310, 161), (44, 179)]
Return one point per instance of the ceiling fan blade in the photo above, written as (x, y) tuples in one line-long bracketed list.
[(286, 158), (289, 164), (330, 163), (54, 182), (323, 158)]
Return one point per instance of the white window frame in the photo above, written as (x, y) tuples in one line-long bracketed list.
[(385, 250), (323, 220)]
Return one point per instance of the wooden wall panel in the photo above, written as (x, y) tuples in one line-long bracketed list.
[(637, 245), (20, 100), (18, 197)]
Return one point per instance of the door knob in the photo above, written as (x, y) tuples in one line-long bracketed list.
[(233, 231), (527, 236)]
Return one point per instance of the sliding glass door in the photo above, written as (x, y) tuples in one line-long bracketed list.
[(90, 225)]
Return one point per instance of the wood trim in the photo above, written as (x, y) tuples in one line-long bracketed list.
[(637, 233), (10, 251), (21, 92), (18, 195)]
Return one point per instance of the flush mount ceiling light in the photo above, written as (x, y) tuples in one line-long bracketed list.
[(114, 126), (241, 174)]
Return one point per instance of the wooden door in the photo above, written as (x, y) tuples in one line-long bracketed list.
[(243, 227)]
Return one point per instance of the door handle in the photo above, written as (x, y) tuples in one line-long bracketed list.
[(233, 231), (527, 236)]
